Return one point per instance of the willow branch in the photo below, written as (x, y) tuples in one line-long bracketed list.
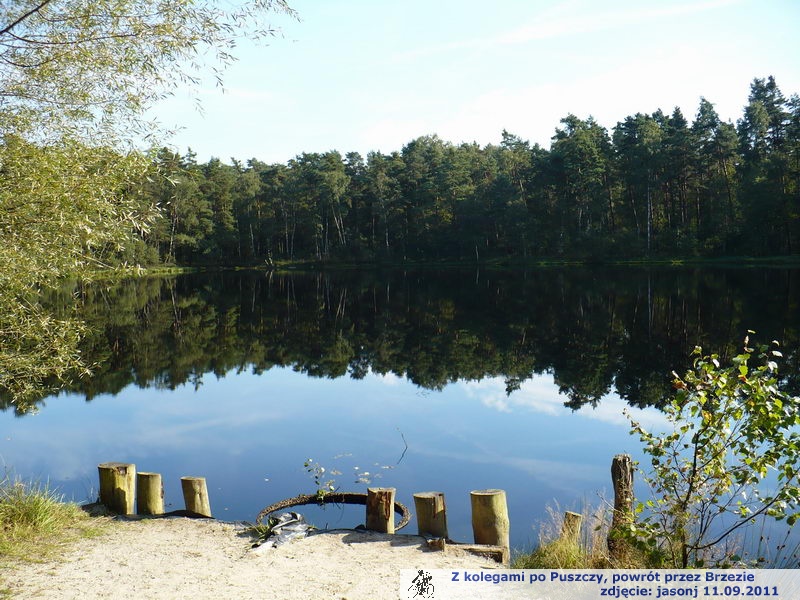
[(32, 11)]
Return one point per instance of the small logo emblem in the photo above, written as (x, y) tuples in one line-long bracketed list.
[(421, 585)]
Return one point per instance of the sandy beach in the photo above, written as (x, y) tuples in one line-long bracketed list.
[(186, 558)]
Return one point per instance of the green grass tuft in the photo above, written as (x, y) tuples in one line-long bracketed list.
[(29, 508), (35, 523)]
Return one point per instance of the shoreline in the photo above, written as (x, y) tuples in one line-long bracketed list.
[(179, 557)]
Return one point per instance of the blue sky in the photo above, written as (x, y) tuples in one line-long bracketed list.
[(372, 74)]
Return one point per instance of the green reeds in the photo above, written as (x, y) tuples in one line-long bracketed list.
[(34, 520)]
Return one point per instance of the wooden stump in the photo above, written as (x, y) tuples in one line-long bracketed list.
[(195, 495), (498, 554), (431, 514), (490, 517), (380, 509), (622, 479), (117, 486), (150, 496), (571, 528)]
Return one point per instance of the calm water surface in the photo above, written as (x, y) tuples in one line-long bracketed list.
[(427, 381)]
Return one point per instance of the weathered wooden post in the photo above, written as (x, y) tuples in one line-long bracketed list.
[(490, 517), (380, 509), (117, 486), (195, 495), (431, 514), (150, 494), (622, 479), (571, 528)]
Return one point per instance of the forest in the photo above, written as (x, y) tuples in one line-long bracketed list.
[(609, 330), (655, 186)]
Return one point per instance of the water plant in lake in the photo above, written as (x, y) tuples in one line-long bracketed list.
[(317, 472), (327, 486)]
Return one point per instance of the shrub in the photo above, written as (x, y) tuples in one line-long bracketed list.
[(732, 426)]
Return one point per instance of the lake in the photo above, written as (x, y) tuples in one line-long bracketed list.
[(420, 380)]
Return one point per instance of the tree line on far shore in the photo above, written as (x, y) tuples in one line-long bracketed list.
[(655, 186), (610, 331)]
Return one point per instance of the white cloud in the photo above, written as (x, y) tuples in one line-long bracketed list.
[(579, 18), (388, 379), (539, 394), (674, 78), (563, 20), (388, 134), (565, 475)]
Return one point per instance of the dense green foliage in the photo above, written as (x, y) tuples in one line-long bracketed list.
[(656, 185), (732, 456), (76, 80), (595, 331)]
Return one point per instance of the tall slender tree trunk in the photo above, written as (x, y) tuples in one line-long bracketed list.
[(611, 221), (649, 213), (632, 199)]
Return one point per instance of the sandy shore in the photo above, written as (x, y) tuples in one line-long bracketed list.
[(186, 558)]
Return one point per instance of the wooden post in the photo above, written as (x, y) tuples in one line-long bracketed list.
[(622, 479), (431, 514), (571, 528), (195, 495), (490, 517), (498, 554), (117, 486), (380, 509), (150, 496)]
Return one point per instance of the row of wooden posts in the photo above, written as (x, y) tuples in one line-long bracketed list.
[(119, 483), (126, 492), (490, 523)]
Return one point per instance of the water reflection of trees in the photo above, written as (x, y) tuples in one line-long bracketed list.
[(595, 331)]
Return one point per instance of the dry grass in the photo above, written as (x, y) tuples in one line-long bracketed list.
[(588, 551), (769, 547)]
